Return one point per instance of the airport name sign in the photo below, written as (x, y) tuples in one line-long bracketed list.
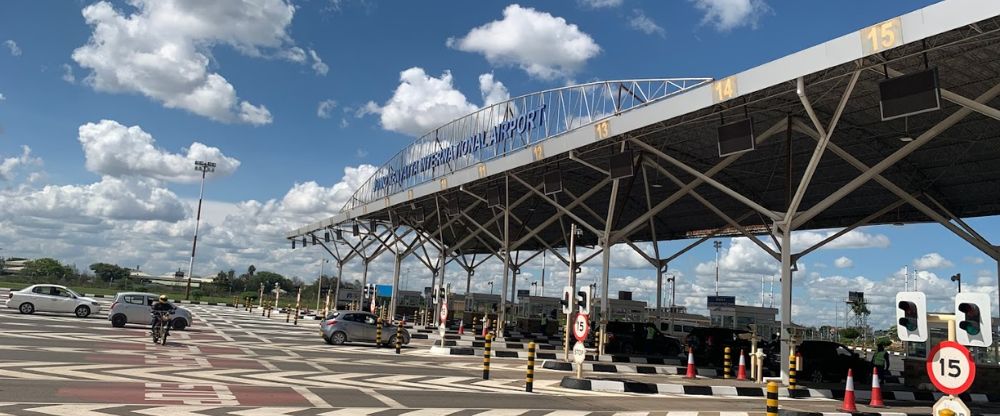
[(520, 125)]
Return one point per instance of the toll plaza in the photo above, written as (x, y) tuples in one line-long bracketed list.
[(894, 123)]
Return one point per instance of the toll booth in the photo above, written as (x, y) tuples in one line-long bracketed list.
[(623, 310), (347, 296), (733, 316), (481, 303), (535, 306)]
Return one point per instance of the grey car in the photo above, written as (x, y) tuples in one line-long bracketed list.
[(357, 326), (136, 308)]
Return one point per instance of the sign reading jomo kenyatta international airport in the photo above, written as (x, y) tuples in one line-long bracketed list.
[(494, 137)]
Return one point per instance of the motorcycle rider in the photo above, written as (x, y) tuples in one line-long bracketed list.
[(160, 307)]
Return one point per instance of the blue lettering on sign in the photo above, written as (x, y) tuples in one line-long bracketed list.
[(522, 124)]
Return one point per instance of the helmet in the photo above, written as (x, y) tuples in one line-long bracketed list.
[(163, 298)]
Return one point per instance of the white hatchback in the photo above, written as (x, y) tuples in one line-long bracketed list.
[(136, 308), (52, 298)]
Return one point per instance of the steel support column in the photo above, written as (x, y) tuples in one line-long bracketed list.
[(786, 299), (502, 316), (606, 265)]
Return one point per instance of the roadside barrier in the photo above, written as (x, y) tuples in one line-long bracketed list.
[(791, 372), (530, 380), (849, 405), (876, 390), (486, 356), (378, 333), (772, 398), (727, 364), (399, 336), (288, 312)]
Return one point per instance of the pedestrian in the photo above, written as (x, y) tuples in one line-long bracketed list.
[(545, 325), (650, 335), (881, 359)]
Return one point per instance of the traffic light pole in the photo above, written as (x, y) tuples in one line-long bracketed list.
[(571, 277)]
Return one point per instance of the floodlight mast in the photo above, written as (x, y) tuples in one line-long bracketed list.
[(204, 168)]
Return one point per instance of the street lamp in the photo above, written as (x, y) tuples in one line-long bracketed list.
[(717, 244), (491, 287), (204, 168), (320, 281), (535, 286), (958, 278)]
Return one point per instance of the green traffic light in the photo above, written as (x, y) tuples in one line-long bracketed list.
[(910, 324), (971, 327)]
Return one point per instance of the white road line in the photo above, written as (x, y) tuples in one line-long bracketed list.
[(355, 411), (430, 412), (382, 398), (319, 367), (74, 409), (312, 397), (268, 411), (502, 412)]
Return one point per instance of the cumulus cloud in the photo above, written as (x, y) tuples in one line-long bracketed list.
[(973, 260), (12, 47), (113, 149), (600, 4), (542, 45), (318, 66), (850, 240), (493, 91), (932, 261), (68, 75), (843, 262), (111, 198), (325, 107), (9, 166), (163, 51), (311, 198), (2, 98), (644, 24), (422, 102), (726, 15)]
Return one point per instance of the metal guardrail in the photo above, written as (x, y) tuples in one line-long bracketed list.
[(508, 126)]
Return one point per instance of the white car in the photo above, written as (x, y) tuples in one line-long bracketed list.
[(136, 308), (52, 298)]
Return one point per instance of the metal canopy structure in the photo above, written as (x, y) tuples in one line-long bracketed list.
[(823, 158)]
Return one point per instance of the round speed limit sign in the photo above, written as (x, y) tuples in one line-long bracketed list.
[(581, 327), (950, 367)]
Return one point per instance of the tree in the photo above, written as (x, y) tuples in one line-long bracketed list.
[(46, 267), (222, 282), (251, 270), (109, 272), (850, 333)]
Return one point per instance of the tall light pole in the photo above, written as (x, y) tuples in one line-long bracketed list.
[(717, 244), (319, 280), (673, 290), (204, 168), (491, 287)]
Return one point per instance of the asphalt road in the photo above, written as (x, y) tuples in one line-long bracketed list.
[(231, 362)]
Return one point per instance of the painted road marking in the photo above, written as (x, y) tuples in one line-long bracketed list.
[(191, 394), (314, 399), (382, 398)]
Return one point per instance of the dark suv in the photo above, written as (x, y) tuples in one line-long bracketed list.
[(630, 338), (829, 361), (709, 344)]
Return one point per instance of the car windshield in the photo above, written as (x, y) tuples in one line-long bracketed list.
[(333, 315)]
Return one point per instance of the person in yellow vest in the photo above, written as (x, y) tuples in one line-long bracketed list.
[(881, 359)]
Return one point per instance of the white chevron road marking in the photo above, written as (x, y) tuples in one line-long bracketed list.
[(268, 411), (355, 411), (176, 411), (73, 409)]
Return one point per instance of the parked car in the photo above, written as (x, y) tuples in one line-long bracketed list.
[(52, 298), (829, 361), (630, 337), (709, 344), (136, 308), (357, 326)]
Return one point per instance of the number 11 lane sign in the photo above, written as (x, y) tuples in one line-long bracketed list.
[(950, 367)]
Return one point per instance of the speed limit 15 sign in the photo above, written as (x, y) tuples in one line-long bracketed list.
[(950, 367)]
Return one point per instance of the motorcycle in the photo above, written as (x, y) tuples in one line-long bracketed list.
[(161, 327)]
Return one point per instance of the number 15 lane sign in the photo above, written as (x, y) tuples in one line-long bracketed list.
[(950, 367)]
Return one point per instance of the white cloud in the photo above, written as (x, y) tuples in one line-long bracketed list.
[(68, 75), (644, 24), (843, 262), (115, 150), (492, 91), (851, 239), (311, 198), (360, 153), (163, 50), (599, 4), (324, 108), (12, 47), (9, 165), (544, 46), (973, 260), (318, 66), (726, 15), (111, 198), (421, 103), (2, 98), (932, 261)]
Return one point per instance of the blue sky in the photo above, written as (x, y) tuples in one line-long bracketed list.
[(121, 190)]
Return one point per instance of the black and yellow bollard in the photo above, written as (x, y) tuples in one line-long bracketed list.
[(791, 372), (486, 356), (263, 309), (378, 333), (772, 398), (288, 312), (399, 336), (530, 380), (295, 321), (727, 363)]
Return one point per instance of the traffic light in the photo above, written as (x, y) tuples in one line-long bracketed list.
[(567, 299), (583, 298), (364, 294), (911, 316), (972, 311)]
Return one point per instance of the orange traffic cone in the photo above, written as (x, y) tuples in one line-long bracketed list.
[(849, 405), (876, 390), (461, 327), (691, 371), (741, 373)]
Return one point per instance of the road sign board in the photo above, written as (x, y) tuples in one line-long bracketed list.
[(950, 367), (951, 403), (444, 314), (581, 327), (579, 353)]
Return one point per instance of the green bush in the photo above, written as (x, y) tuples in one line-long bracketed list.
[(883, 342), (850, 333)]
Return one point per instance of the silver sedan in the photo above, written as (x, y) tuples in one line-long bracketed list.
[(357, 326)]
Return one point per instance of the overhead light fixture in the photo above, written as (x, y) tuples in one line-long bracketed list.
[(304, 241), (354, 229), (655, 185), (371, 226), (326, 236), (293, 244), (339, 234)]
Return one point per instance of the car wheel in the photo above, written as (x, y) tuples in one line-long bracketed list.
[(816, 376), (392, 342), (82, 311), (180, 324), (327, 339), (338, 338), (26, 308), (119, 321)]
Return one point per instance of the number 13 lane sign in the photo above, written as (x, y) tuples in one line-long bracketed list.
[(950, 367)]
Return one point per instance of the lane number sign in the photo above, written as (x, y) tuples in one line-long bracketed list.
[(950, 367), (882, 36), (581, 327), (724, 89)]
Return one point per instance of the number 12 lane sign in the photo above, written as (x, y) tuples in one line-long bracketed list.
[(950, 367)]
